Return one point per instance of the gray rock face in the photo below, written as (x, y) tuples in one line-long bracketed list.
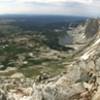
[(86, 32), (56, 92), (81, 81), (2, 95), (98, 64), (97, 95), (92, 28)]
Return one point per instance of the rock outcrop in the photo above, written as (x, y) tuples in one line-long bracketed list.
[(86, 31)]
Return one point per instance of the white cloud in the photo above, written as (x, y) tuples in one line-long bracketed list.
[(66, 7), (50, 1), (5, 0), (57, 1)]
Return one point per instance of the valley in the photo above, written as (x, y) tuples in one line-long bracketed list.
[(53, 59)]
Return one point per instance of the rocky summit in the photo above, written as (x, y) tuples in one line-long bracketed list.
[(79, 81)]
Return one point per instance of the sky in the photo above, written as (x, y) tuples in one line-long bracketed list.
[(52, 7)]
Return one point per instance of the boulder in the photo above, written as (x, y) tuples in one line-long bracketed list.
[(17, 75), (97, 95), (2, 95)]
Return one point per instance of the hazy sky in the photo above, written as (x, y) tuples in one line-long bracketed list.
[(61, 7)]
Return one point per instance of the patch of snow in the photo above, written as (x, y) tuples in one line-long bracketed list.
[(1, 66), (26, 98), (83, 35), (91, 50), (97, 42), (25, 62), (86, 55), (31, 54)]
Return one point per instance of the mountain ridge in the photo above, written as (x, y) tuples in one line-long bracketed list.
[(80, 81)]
